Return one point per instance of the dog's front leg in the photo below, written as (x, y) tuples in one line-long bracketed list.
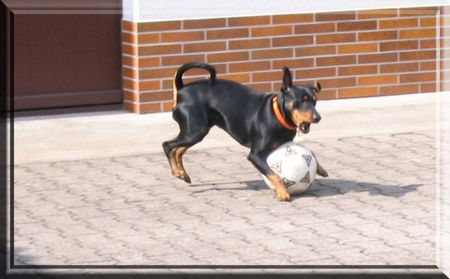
[(260, 163), (320, 170), (280, 188)]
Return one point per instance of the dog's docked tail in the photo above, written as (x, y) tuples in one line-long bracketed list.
[(178, 80)]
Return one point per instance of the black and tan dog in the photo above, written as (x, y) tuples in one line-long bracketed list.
[(259, 121)]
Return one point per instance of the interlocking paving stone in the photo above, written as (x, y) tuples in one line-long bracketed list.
[(377, 207)]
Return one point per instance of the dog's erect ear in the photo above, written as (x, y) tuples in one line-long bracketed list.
[(287, 80), (318, 88)]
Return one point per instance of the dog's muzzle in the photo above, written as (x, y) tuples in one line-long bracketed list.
[(305, 126), (317, 117)]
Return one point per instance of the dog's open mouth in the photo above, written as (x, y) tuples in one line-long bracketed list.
[(304, 127)]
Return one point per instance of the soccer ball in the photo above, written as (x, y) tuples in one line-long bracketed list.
[(296, 166)]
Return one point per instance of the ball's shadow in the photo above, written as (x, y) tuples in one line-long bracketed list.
[(324, 187)]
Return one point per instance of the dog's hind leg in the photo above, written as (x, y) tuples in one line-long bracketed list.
[(176, 163), (193, 128)]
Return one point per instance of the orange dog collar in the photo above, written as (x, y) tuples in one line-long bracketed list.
[(279, 115)]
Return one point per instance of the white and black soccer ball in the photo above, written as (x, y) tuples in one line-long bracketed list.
[(295, 164)]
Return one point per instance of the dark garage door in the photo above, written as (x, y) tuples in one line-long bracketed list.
[(67, 56)]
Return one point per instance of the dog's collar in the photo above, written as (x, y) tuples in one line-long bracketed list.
[(279, 115)]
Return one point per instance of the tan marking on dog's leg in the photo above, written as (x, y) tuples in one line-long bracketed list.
[(320, 170), (280, 188), (177, 165), (172, 160)]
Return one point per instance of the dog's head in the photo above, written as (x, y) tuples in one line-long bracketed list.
[(300, 102)]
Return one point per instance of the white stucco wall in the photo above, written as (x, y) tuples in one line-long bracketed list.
[(161, 10)]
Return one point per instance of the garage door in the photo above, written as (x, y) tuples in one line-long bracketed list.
[(67, 54)]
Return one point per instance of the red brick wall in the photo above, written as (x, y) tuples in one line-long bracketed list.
[(352, 54)]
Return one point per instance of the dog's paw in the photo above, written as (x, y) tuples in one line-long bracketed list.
[(183, 176), (322, 172), (283, 196), (187, 179)]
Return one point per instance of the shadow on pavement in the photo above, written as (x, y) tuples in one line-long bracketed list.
[(331, 187), (321, 187)]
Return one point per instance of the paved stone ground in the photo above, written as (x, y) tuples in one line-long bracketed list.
[(377, 207)]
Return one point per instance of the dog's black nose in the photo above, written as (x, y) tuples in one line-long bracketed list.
[(317, 117)]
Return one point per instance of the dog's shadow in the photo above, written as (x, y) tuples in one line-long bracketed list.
[(322, 188)]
